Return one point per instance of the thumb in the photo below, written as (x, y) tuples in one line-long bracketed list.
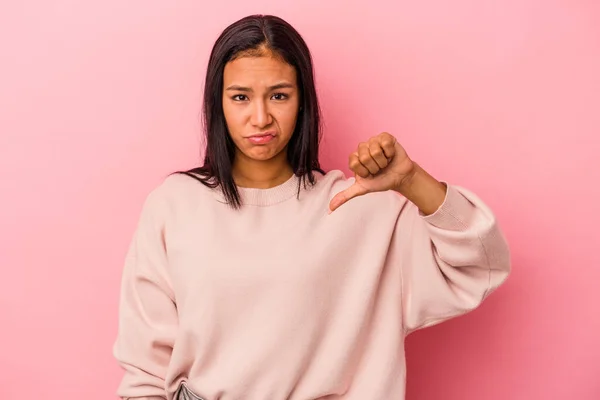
[(345, 195)]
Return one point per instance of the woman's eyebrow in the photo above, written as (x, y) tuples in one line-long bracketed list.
[(282, 85)]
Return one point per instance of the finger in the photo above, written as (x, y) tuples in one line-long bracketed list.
[(345, 195), (377, 154), (388, 144), (356, 166), (364, 156)]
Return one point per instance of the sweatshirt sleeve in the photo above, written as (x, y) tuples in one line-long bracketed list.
[(147, 312), (451, 260)]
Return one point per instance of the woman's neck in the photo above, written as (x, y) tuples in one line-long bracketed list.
[(261, 174)]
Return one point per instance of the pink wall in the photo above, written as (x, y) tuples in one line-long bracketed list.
[(99, 100)]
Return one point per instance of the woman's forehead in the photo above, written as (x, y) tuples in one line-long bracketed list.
[(257, 71)]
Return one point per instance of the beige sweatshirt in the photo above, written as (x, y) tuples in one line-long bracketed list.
[(282, 301)]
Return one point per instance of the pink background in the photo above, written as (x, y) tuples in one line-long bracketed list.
[(100, 100)]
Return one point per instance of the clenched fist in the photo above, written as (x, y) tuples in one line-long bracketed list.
[(379, 164)]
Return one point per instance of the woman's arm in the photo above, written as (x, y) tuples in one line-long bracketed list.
[(452, 256), (448, 242), (423, 190), (147, 312)]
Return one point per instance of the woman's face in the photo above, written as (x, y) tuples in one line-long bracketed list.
[(260, 103)]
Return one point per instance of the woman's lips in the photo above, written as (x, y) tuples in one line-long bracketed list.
[(261, 138)]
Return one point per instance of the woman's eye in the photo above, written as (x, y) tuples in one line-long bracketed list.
[(239, 97), (280, 96)]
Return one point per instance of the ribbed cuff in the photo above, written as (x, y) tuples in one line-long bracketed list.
[(145, 398), (455, 212)]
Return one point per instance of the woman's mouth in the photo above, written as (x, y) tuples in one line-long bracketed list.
[(261, 138)]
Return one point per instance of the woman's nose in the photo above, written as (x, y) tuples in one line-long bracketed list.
[(260, 115)]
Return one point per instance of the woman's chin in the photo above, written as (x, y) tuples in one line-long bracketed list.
[(262, 153)]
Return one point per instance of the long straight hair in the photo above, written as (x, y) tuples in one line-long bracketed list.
[(249, 35)]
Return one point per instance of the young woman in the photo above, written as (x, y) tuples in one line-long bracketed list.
[(258, 276)]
